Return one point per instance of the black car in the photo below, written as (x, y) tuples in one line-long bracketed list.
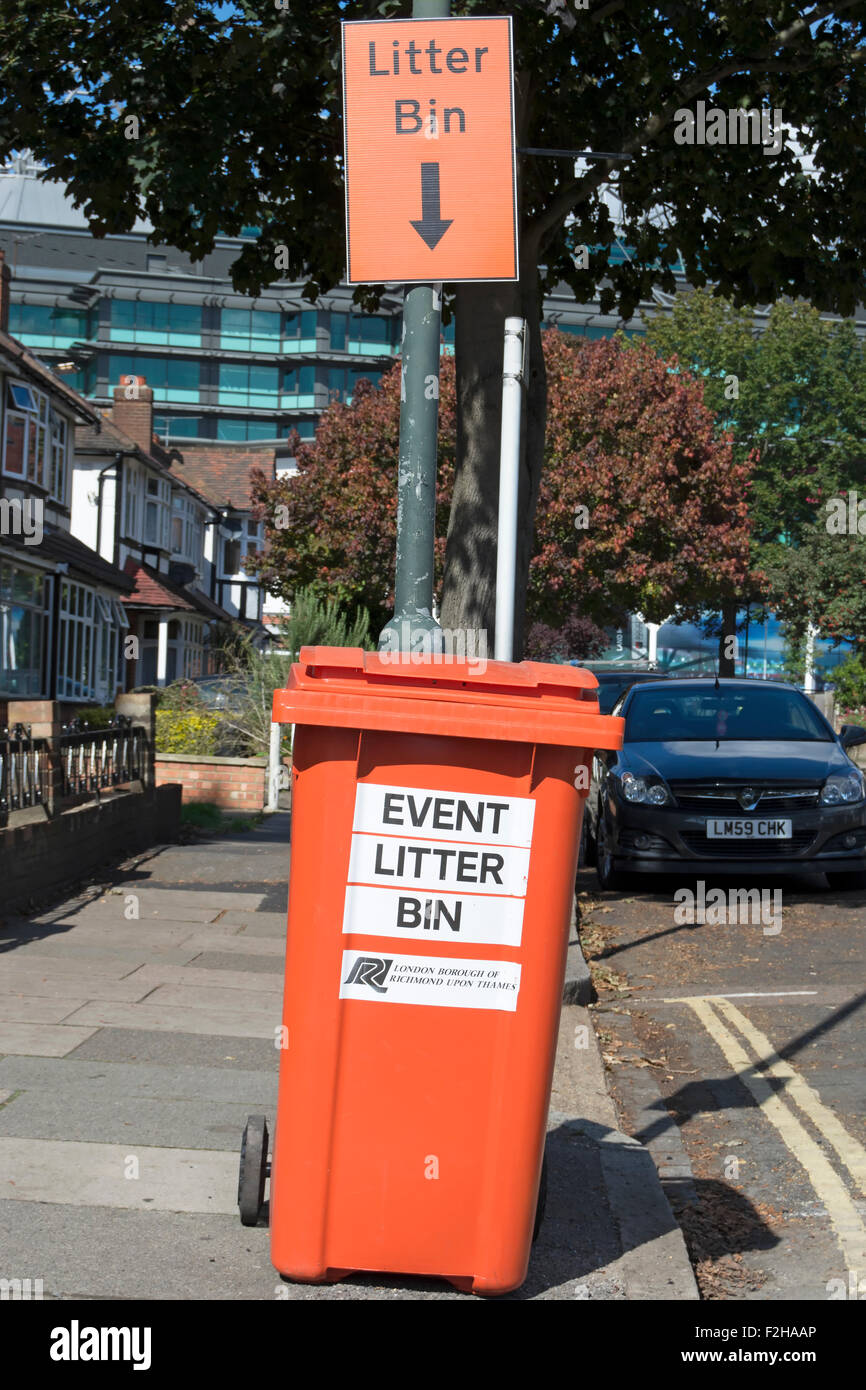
[(614, 682), (719, 776)]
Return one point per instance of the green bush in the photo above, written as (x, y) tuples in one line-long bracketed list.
[(180, 695), (96, 716), (315, 621), (849, 678), (187, 731)]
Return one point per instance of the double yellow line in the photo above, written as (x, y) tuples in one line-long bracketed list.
[(716, 1012)]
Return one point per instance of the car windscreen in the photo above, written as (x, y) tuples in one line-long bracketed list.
[(609, 693), (612, 689), (762, 713)]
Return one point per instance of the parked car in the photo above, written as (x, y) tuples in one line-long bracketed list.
[(613, 683), (726, 776), (221, 691)]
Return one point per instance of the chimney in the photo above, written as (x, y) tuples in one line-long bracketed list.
[(133, 410), (5, 282)]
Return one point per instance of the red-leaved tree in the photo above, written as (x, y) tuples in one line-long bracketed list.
[(640, 508)]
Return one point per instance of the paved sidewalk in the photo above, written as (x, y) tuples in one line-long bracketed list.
[(136, 1035)]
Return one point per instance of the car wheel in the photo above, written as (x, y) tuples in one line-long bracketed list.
[(588, 855), (608, 877), (848, 882)]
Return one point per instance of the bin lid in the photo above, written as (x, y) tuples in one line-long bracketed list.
[(522, 702)]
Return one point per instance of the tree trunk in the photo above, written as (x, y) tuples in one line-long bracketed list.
[(469, 588), (469, 585)]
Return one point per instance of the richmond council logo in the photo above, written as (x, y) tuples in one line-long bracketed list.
[(372, 971)]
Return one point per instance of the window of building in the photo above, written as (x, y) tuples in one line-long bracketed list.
[(306, 429), (89, 643), (146, 507), (339, 329), (187, 529), (172, 379), (343, 380), (132, 485), (370, 333), (299, 386), (299, 331), (24, 616), (177, 426), (143, 321), (156, 512), (231, 557), (229, 427), (81, 380), (35, 440), (250, 330), (59, 458), (47, 325), (246, 384), (254, 537)]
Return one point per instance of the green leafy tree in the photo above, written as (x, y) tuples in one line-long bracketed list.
[(794, 395), (206, 119)]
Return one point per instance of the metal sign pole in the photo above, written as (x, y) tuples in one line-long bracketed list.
[(509, 483), (413, 627)]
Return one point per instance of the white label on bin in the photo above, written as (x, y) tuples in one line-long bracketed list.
[(473, 817), (450, 866), (448, 981), (438, 867), (436, 916)]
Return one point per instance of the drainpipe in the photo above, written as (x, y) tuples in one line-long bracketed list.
[(118, 459)]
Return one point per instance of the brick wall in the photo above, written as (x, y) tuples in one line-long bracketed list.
[(35, 858), (234, 784)]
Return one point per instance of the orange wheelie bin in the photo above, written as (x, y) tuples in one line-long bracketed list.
[(436, 819)]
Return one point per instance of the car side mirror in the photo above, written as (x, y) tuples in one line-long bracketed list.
[(850, 735)]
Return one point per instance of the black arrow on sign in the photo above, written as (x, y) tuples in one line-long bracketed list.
[(431, 227)]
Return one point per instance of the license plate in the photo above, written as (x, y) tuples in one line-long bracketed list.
[(764, 829)]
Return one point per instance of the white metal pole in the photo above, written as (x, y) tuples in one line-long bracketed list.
[(509, 482), (809, 682), (274, 772)]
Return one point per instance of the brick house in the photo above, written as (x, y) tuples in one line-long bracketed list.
[(62, 613)]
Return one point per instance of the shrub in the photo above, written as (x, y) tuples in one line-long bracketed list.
[(180, 695), (187, 731), (849, 678), (315, 621), (577, 639), (96, 716)]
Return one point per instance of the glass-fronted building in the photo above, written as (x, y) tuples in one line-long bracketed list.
[(224, 367)]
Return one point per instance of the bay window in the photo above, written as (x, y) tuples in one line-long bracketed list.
[(156, 512), (25, 601), (146, 507), (187, 529), (35, 440), (91, 628)]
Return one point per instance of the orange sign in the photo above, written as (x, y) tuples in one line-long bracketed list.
[(431, 184)]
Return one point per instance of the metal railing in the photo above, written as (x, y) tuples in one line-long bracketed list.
[(24, 766), (94, 760)]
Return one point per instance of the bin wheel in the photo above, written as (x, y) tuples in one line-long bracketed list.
[(253, 1169), (542, 1201)]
